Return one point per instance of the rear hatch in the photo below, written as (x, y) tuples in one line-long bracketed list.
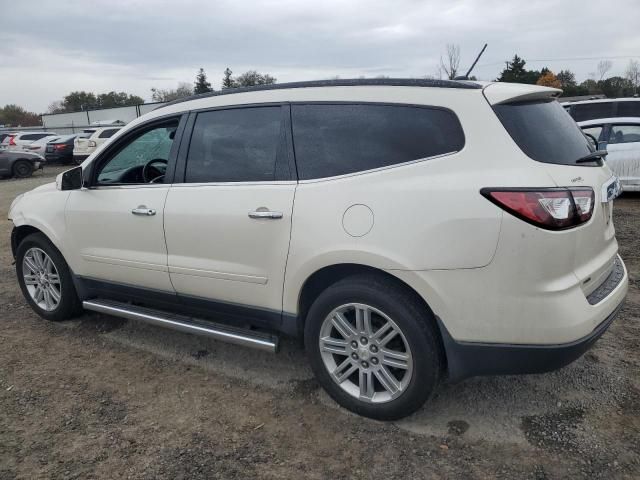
[(546, 133), (81, 146)]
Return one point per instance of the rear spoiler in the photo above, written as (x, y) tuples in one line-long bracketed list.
[(498, 92)]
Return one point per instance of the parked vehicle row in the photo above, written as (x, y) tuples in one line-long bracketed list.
[(52, 147), (440, 230)]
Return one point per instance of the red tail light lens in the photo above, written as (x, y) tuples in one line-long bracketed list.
[(59, 146), (551, 208), (12, 139)]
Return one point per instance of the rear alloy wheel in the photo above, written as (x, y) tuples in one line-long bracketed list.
[(366, 353), (373, 346), (22, 169)]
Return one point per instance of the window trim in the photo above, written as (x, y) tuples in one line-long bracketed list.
[(285, 145), (90, 173), (386, 167)]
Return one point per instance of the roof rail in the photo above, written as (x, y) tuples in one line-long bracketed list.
[(352, 82)]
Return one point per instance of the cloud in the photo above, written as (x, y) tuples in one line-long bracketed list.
[(134, 45)]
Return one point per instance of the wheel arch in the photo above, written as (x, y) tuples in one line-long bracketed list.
[(324, 277)]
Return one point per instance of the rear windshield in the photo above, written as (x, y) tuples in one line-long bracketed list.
[(544, 131)]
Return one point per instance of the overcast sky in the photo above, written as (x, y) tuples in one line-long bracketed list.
[(49, 48)]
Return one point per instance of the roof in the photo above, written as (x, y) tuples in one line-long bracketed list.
[(354, 82), (599, 121)]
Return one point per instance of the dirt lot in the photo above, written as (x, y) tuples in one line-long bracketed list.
[(98, 397)]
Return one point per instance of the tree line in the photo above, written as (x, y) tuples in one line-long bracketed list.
[(611, 87)]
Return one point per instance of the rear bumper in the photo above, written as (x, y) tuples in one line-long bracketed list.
[(469, 359), (58, 157)]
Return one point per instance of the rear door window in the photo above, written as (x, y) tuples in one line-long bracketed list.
[(337, 139), (624, 134), (238, 145), (544, 131)]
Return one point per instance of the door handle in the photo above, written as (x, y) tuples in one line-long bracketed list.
[(265, 214), (142, 210)]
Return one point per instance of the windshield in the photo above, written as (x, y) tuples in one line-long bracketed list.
[(544, 131)]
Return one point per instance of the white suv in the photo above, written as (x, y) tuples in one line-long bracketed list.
[(410, 231), (85, 145)]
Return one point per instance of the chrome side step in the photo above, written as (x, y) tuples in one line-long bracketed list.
[(238, 336)]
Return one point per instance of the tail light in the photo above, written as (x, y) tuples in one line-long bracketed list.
[(548, 208), (12, 140), (59, 146)]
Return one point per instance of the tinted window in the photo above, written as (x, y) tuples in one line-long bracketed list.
[(338, 139), (34, 136), (544, 131), (237, 145), (589, 111), (624, 134), (108, 133), (629, 109)]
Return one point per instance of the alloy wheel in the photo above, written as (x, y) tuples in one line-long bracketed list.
[(42, 279), (365, 353)]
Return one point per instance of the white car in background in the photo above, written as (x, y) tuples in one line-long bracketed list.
[(85, 146), (621, 138), (39, 146), (18, 140)]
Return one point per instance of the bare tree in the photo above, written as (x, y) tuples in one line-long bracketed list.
[(452, 63), (603, 67), (633, 74)]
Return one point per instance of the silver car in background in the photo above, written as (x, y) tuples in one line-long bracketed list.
[(620, 136)]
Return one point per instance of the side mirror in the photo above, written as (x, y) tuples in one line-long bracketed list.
[(71, 179)]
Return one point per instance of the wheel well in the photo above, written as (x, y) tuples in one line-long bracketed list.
[(18, 234), (327, 276)]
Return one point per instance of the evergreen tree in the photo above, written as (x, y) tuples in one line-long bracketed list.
[(516, 73), (227, 80), (201, 85)]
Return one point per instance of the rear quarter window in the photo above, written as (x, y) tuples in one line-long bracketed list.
[(108, 133), (590, 111), (544, 131), (337, 139)]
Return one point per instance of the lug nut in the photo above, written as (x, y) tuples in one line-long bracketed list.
[(365, 364), (363, 340), (374, 349), (354, 344), (374, 360), (354, 356)]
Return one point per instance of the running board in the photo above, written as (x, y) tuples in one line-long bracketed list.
[(238, 336)]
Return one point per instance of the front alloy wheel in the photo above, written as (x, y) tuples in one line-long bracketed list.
[(41, 279), (366, 353)]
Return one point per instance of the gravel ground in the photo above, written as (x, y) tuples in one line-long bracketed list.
[(99, 397)]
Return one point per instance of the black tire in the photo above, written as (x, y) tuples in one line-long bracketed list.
[(69, 305), (414, 320), (22, 169)]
